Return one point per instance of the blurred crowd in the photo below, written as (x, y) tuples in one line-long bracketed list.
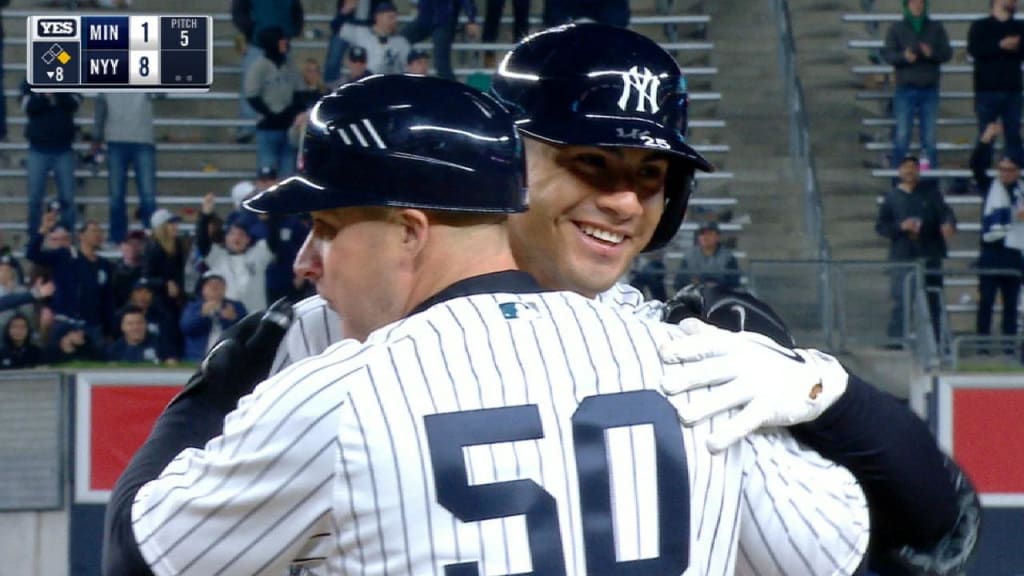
[(165, 298), (149, 287)]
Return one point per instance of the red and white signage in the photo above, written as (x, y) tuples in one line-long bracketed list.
[(115, 412)]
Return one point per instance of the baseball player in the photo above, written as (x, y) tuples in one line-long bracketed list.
[(476, 423), (582, 95)]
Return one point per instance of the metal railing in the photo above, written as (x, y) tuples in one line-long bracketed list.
[(817, 246), (842, 305)]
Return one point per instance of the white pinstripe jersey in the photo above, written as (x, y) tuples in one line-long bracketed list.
[(493, 434)]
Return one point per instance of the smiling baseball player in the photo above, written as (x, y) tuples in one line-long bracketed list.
[(583, 94), (476, 423)]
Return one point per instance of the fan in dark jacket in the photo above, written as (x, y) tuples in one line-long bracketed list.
[(19, 351), (917, 221), (916, 46)]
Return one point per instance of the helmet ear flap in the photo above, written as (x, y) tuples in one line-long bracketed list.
[(678, 186)]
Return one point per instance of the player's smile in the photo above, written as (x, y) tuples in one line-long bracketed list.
[(605, 236), (603, 242)]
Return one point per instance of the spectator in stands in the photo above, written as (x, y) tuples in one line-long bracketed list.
[(50, 131), (418, 62), (159, 324), (439, 19), (356, 66), (289, 233), (355, 11), (916, 46), (208, 315), (41, 290), (3, 109), (708, 261), (994, 43), (649, 277), (336, 47), (265, 178), (69, 343), (492, 20), (1002, 234), (128, 268), (59, 236), (7, 251), (135, 344), (239, 260), (917, 221), (10, 284), (163, 259), (251, 17), (19, 351), (385, 50), (313, 87), (273, 86), (124, 120), (613, 12), (82, 276)]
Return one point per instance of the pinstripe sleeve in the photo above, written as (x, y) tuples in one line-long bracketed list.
[(315, 328), (250, 500), (801, 514)]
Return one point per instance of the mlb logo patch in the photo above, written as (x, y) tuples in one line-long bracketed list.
[(518, 310)]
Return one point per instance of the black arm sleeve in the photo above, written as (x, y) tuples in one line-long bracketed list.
[(260, 106), (893, 455), (890, 451), (189, 422), (203, 240), (229, 371), (981, 160)]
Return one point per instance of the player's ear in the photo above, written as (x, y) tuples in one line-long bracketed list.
[(415, 229)]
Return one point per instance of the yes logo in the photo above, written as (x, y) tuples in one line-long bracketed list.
[(56, 28)]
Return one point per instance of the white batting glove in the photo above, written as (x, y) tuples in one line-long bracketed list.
[(773, 385)]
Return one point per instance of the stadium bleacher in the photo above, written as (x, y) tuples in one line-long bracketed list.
[(196, 151), (956, 131)]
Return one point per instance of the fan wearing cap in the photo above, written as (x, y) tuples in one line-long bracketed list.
[(438, 20), (356, 67), (418, 62), (708, 261), (385, 50), (208, 314), (159, 323), (266, 176), (240, 259), (128, 268), (164, 257), (69, 343)]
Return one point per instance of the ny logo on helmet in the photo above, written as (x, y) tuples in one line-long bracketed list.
[(645, 85)]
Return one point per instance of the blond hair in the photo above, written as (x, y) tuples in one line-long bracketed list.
[(167, 240)]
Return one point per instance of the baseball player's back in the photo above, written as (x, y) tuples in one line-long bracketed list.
[(490, 434), (510, 434)]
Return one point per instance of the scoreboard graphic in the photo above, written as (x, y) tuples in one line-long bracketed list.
[(152, 53)]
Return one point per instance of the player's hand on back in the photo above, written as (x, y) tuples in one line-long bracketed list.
[(770, 384)]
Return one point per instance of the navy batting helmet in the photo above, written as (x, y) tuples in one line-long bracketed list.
[(408, 141), (598, 85)]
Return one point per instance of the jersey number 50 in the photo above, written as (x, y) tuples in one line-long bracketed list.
[(448, 434)]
